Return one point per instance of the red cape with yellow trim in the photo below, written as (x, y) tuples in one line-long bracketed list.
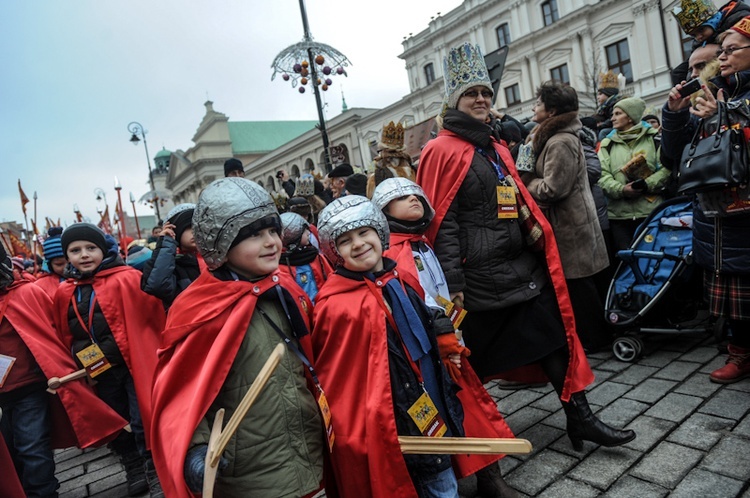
[(79, 417), (443, 166), (135, 318), (205, 328)]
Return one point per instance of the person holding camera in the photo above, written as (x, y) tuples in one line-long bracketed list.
[(632, 176), (286, 183)]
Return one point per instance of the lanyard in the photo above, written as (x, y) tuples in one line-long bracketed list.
[(437, 282), (495, 164), (92, 303)]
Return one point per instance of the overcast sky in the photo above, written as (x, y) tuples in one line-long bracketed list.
[(76, 72)]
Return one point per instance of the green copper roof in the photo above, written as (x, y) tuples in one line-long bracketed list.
[(163, 153), (253, 137)]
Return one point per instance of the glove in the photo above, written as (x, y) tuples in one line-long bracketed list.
[(448, 345), (195, 467)]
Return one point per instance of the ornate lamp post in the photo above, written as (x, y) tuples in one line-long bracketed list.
[(136, 128), (77, 212), (120, 214), (302, 63), (135, 215)]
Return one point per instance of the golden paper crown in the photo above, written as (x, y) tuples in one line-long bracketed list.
[(608, 80), (692, 13), (392, 136)]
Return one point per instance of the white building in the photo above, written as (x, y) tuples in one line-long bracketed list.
[(568, 40)]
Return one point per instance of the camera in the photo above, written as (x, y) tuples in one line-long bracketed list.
[(690, 87), (639, 184), (279, 175)]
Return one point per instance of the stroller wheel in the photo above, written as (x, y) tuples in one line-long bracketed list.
[(627, 348)]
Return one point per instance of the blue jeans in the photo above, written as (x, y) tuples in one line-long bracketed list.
[(440, 485), (25, 426), (115, 387)]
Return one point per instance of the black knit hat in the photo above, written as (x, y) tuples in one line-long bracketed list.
[(356, 185), (182, 221), (83, 231), (233, 165), (270, 221), (341, 171), (608, 91)]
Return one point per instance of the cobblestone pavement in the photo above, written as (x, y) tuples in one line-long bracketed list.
[(693, 435)]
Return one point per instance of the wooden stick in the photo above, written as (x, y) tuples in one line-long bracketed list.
[(54, 383), (250, 397), (421, 445), (209, 476)]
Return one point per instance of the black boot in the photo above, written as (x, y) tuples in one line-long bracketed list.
[(490, 483), (135, 472), (584, 426), (154, 486)]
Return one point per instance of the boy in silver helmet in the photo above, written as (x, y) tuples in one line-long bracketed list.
[(219, 333), (299, 255)]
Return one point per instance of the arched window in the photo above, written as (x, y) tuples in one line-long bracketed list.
[(503, 35), (429, 73), (550, 13)]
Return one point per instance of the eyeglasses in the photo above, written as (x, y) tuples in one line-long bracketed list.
[(729, 50), (473, 94)]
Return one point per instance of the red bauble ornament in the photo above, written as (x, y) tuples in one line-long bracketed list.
[(319, 60)]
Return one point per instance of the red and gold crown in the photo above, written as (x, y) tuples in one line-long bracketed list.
[(392, 136), (608, 80), (691, 14)]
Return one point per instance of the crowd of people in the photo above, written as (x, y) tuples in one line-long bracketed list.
[(396, 294)]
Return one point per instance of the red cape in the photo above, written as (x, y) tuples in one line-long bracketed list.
[(79, 417), (443, 166), (205, 328), (49, 282), (10, 486), (135, 318), (366, 455)]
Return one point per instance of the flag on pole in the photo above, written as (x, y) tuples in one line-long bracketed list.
[(104, 223), (19, 248), (33, 225), (24, 199)]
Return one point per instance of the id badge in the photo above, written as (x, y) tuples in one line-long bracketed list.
[(506, 202), (425, 414), (418, 262), (455, 313), (93, 360), (325, 411)]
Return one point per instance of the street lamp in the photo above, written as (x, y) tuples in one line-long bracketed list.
[(79, 216), (136, 128), (121, 215), (135, 215)]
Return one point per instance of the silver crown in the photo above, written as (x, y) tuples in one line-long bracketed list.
[(345, 214), (393, 188), (180, 208)]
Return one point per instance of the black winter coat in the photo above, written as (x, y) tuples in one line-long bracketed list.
[(167, 273)]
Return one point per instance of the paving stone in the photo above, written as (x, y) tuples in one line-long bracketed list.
[(681, 342), (743, 385), (701, 354), (730, 457), (71, 486), (569, 487), (509, 463), (70, 473), (110, 485), (701, 431), (81, 492), (700, 482), (612, 365), (728, 404), (519, 399), (64, 454), (550, 402), (677, 370), (86, 456), (541, 436), (522, 420), (621, 412), (100, 463), (635, 374), (743, 428), (667, 464), (649, 432), (659, 359), (606, 393), (600, 376), (92, 477), (651, 390), (604, 466), (675, 407), (698, 385), (540, 472), (629, 487), (712, 365)]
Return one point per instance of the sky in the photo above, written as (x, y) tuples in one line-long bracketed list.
[(75, 73)]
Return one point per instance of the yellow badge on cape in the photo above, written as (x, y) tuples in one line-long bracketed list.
[(507, 207), (325, 411), (455, 313), (425, 414), (93, 360)]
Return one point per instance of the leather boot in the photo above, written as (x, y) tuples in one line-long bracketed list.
[(135, 473), (737, 367), (490, 483), (154, 486), (584, 426)]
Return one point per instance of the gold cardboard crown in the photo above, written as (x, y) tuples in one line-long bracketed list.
[(608, 80), (692, 13), (392, 136)]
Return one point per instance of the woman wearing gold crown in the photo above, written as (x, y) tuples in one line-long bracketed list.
[(499, 254), (392, 160)]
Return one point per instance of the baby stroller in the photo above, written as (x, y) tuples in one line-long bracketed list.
[(656, 288)]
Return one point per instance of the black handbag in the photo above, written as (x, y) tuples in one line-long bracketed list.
[(714, 162)]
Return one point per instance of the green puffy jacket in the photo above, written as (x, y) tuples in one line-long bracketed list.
[(614, 153)]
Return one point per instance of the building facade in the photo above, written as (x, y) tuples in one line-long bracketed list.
[(571, 41)]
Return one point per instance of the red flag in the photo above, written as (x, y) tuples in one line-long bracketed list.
[(19, 248), (24, 199), (33, 225), (104, 223)]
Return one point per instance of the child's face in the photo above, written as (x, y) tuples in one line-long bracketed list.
[(256, 255), (57, 265), (361, 250), (406, 208), (85, 256), (187, 242), (304, 241), (703, 33)]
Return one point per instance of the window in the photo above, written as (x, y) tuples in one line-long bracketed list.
[(618, 59), (549, 12), (503, 35), (560, 73), (512, 94), (687, 45), (429, 73)]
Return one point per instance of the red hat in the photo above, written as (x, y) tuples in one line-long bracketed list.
[(743, 27)]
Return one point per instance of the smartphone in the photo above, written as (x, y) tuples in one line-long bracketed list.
[(690, 87), (639, 184)]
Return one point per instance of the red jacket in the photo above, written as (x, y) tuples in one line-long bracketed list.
[(206, 326), (449, 158), (79, 417), (50, 282), (350, 347), (135, 318)]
